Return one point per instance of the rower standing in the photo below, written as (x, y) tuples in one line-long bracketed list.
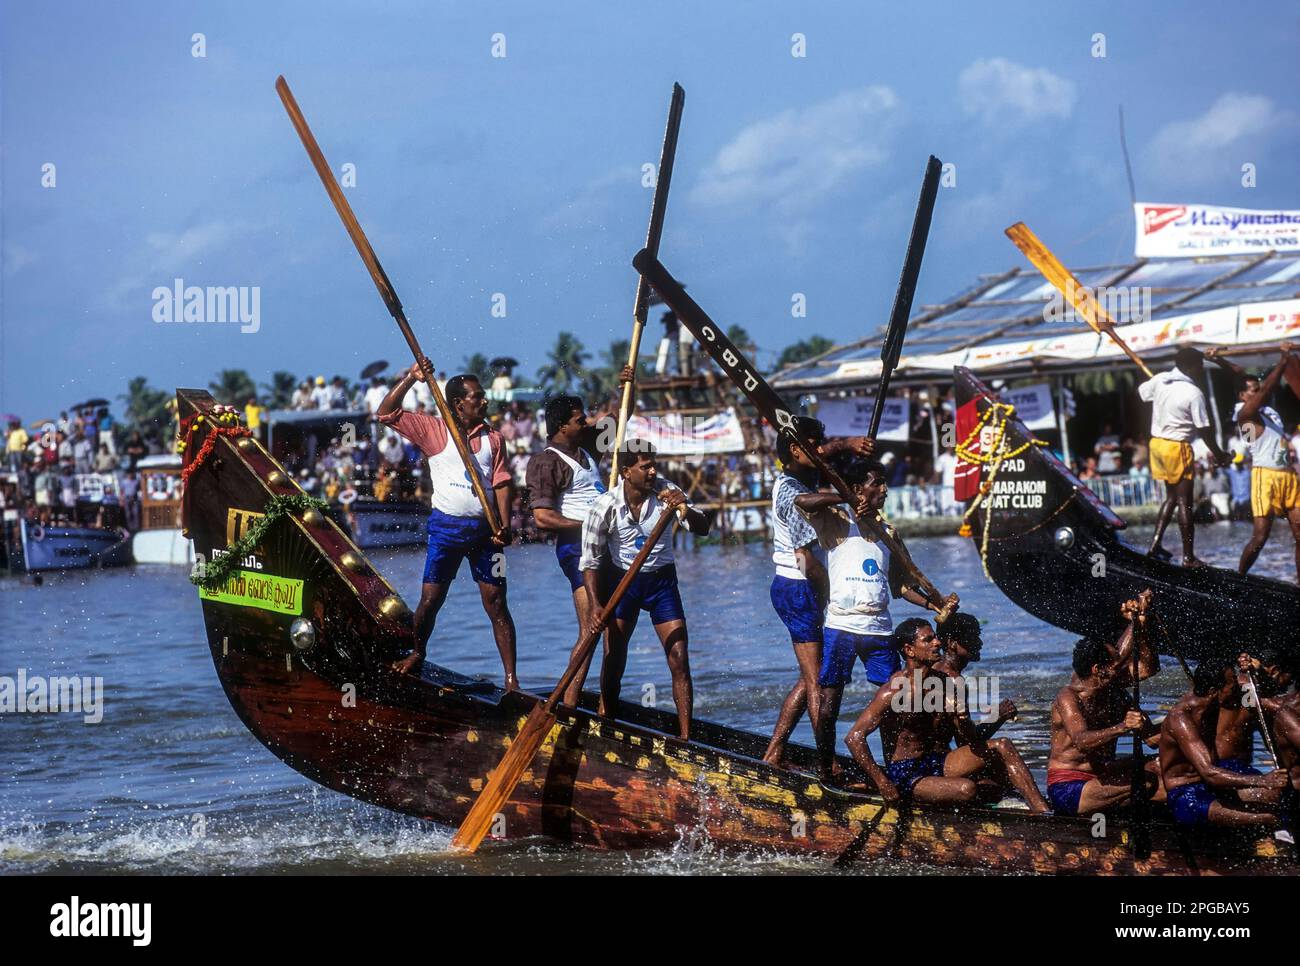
[(863, 576), (1179, 414), (564, 481), (457, 527), (799, 587), (1274, 486), (617, 527)]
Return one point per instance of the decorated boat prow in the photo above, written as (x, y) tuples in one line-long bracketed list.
[(1053, 547), (302, 631)]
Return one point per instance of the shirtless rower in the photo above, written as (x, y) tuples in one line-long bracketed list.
[(799, 586), (1085, 773), (862, 578), (963, 646), (1274, 486), (920, 766), (1179, 415), (1200, 792), (617, 527)]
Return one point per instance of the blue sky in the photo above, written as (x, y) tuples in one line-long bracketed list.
[(522, 175)]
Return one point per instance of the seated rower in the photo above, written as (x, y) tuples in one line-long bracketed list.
[(862, 577), (1286, 735), (1085, 773), (1200, 792), (915, 740), (959, 636), (616, 528)]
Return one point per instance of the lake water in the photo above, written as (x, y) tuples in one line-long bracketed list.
[(169, 781)]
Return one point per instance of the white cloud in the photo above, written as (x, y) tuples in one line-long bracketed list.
[(998, 91), (1217, 143), (800, 156), (16, 258), (168, 254)]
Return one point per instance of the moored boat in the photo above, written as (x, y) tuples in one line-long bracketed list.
[(70, 547), (302, 629)]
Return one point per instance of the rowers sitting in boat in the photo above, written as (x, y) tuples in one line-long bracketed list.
[(962, 644), (1201, 792), (617, 527), (458, 527), (1085, 774), (915, 735), (863, 576)]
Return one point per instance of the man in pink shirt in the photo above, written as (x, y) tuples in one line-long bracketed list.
[(458, 527)]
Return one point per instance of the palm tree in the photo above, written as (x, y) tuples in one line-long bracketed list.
[(279, 391), (147, 412), (233, 387), (477, 365), (742, 340), (565, 366), (814, 345)]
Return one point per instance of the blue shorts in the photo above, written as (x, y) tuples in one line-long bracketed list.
[(452, 539), (654, 591), (1065, 796), (1238, 766), (840, 650), (568, 551), (905, 774), (797, 606), (1191, 803)]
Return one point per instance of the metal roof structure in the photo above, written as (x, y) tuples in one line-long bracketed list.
[(1016, 306)]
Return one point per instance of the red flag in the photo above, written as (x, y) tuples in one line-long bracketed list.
[(967, 478)]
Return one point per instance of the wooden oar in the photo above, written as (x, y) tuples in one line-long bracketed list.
[(1084, 302), (503, 779), (892, 347), (641, 307), (773, 408), (1263, 725), (387, 293), (1141, 819)]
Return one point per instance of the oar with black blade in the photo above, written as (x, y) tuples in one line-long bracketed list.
[(640, 309), (1140, 832), (387, 293), (774, 409), (892, 348), (503, 779)]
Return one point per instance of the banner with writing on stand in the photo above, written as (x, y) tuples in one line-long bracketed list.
[(852, 417)]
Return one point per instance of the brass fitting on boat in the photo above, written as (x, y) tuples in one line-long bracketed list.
[(353, 561), (394, 608), (313, 518)]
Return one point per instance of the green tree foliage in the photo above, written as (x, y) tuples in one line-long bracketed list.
[(147, 412), (477, 365), (565, 368), (814, 345), (233, 387), (279, 391)]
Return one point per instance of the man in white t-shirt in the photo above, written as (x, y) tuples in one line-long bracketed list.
[(946, 467), (1274, 487), (320, 394), (617, 526), (1178, 415), (863, 577)]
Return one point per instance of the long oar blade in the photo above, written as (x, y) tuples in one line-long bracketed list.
[(368, 256), (891, 349), (506, 776), (658, 208), (1085, 304)]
